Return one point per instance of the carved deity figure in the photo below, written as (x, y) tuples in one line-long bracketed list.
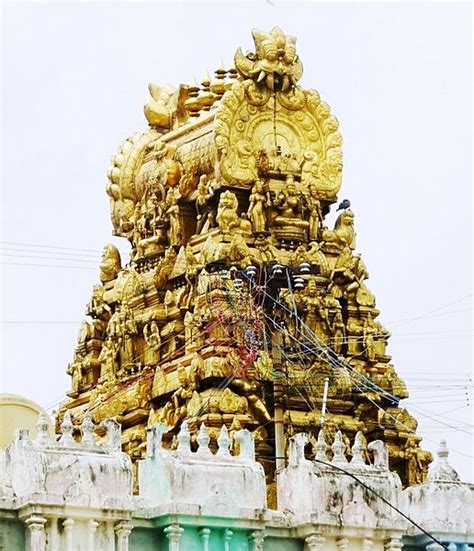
[(342, 274), (111, 263), (164, 268), (189, 330), (355, 332), (369, 339), (204, 210), (382, 335), (140, 222), (97, 307), (310, 169), (249, 390), (192, 265), (315, 315), (75, 370), (107, 358), (288, 201), (180, 397), (175, 230), (151, 333), (414, 465), (239, 252), (256, 210), (155, 212), (338, 332), (127, 330), (313, 205), (289, 206)]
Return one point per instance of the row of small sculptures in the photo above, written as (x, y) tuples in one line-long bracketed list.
[(319, 316), (159, 219)]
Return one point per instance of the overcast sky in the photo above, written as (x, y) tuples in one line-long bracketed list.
[(398, 78)]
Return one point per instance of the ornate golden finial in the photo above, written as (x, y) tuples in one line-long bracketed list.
[(218, 86), (191, 104), (274, 63), (206, 97), (221, 68), (206, 80)]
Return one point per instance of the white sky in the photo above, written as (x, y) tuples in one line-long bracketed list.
[(397, 76)]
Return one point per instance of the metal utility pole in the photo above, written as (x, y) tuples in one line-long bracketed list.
[(325, 400)]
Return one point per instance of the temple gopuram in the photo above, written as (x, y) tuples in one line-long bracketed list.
[(239, 307)]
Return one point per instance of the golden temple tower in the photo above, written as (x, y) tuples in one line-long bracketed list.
[(238, 306)]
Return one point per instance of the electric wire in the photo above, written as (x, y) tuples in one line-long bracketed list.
[(46, 266), (2, 254), (422, 316), (44, 253), (42, 246), (367, 487), (329, 358), (306, 349)]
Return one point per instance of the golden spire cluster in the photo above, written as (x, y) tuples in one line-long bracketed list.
[(224, 200)]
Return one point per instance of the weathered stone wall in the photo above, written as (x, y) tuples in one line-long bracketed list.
[(76, 495)]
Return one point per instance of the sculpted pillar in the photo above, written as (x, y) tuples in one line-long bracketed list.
[(315, 542), (110, 536), (92, 526), (68, 525), (257, 538), (174, 533), (36, 526), (54, 535), (394, 544), (205, 534), (227, 538), (123, 531)]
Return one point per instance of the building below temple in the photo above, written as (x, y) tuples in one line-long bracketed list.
[(70, 495)]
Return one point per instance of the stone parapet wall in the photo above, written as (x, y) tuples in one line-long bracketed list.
[(66, 495), (76, 495)]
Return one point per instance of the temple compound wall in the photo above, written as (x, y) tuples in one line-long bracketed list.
[(77, 495)]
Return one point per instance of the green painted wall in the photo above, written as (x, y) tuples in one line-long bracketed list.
[(143, 539), (191, 540), (12, 536), (147, 540)]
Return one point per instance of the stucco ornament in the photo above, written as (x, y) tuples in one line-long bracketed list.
[(274, 63)]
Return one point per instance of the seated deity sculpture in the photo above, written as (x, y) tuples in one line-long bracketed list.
[(289, 206)]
